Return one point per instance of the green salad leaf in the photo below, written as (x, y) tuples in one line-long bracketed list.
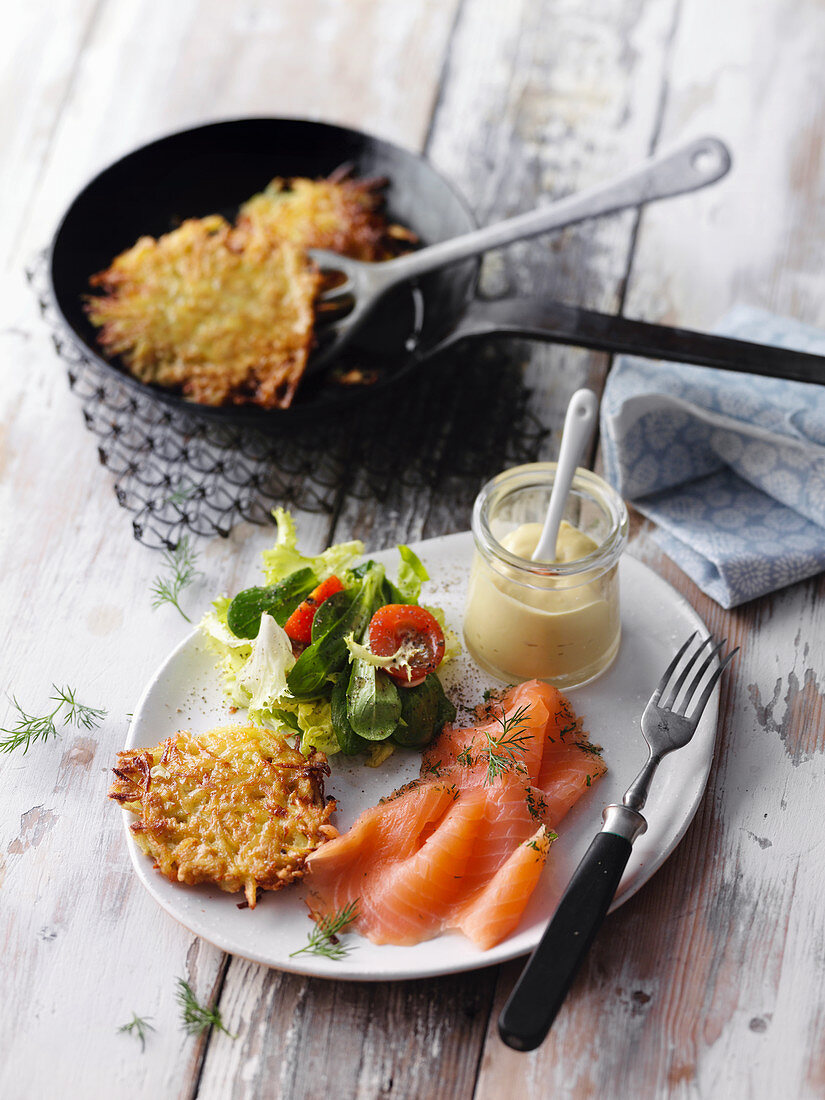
[(377, 753), (264, 675), (349, 741), (284, 558), (452, 642), (335, 696), (327, 654), (411, 575), (243, 617), (233, 652), (373, 703), (347, 612), (425, 709)]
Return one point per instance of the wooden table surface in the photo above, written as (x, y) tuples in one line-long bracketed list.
[(709, 982)]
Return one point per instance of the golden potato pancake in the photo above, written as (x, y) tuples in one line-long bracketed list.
[(225, 318), (237, 806), (342, 214)]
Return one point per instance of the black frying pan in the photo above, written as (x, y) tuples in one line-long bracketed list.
[(214, 168)]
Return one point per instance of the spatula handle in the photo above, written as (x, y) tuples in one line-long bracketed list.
[(542, 987), (673, 172)]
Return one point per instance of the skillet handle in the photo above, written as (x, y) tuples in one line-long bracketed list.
[(556, 323)]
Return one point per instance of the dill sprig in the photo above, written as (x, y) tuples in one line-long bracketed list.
[(181, 564), (542, 844), (195, 1017), (181, 493), (465, 757), (589, 748), (536, 804), (30, 728), (502, 751), (138, 1026), (323, 939)]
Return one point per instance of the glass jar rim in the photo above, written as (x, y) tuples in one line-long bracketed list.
[(537, 474)]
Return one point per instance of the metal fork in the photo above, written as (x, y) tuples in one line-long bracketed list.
[(543, 985), (341, 309)]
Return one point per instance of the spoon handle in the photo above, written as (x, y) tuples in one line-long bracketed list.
[(578, 425), (686, 168)]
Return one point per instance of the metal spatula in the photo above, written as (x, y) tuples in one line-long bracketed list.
[(341, 310), (542, 987)]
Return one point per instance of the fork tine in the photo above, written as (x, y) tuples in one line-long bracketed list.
[(337, 291), (700, 706), (326, 259), (660, 687), (677, 687), (697, 679)]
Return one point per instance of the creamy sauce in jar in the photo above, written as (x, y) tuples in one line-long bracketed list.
[(571, 543), (521, 624)]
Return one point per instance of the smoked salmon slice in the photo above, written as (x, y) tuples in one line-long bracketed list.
[(464, 845), (494, 912)]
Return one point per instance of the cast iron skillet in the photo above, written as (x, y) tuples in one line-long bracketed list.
[(214, 168)]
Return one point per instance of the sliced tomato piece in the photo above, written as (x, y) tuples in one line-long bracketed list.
[(299, 624), (412, 635)]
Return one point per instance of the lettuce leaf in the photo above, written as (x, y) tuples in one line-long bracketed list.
[(377, 753), (452, 642), (411, 574), (399, 659), (233, 652), (312, 719), (254, 672), (245, 665), (263, 675), (285, 558)]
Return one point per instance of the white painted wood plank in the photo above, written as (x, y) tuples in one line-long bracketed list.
[(147, 69), (755, 239), (708, 982), (89, 947), (540, 100), (756, 236)]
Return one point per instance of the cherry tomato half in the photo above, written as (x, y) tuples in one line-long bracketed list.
[(411, 632), (299, 624)]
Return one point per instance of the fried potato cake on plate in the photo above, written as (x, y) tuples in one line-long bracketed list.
[(237, 806), (226, 318)]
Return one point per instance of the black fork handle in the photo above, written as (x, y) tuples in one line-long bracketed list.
[(542, 319), (534, 1003)]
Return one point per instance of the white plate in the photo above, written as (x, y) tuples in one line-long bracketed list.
[(186, 693)]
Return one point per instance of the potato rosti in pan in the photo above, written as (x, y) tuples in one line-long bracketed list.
[(236, 806), (223, 313), (226, 322), (341, 214)]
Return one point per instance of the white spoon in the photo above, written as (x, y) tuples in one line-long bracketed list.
[(578, 424)]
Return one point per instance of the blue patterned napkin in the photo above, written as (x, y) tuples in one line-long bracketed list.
[(731, 467)]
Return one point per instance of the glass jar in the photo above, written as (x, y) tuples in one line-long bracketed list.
[(556, 621)]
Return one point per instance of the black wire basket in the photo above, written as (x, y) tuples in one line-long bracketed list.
[(175, 472)]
